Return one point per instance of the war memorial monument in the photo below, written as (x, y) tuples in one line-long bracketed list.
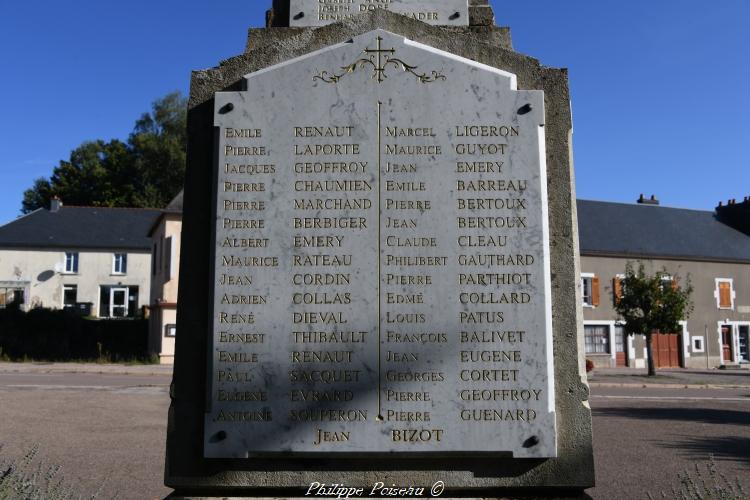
[(379, 263)]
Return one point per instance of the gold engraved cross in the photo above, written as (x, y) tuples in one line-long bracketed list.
[(380, 69), (385, 59)]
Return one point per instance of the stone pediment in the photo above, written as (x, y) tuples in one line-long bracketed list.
[(489, 45)]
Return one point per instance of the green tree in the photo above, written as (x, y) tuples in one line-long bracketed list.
[(37, 196), (158, 143), (147, 171), (650, 304)]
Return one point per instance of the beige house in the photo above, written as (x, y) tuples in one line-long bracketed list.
[(165, 266), (92, 259), (701, 246)]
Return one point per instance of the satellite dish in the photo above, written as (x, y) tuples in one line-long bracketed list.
[(45, 275)]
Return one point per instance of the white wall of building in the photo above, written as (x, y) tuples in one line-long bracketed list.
[(42, 274), (166, 238)]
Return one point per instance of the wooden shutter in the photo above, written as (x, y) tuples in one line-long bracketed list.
[(617, 287), (595, 291), (725, 294)]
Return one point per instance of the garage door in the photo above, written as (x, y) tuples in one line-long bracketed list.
[(666, 348)]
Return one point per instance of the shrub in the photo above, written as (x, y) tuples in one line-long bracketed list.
[(55, 335)]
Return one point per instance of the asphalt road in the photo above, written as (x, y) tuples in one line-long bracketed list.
[(107, 431), (645, 437)]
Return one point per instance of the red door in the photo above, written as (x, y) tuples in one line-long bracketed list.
[(666, 348), (726, 343), (620, 346)]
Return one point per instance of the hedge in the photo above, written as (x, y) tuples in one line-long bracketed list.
[(56, 335)]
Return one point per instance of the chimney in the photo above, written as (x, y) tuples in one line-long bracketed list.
[(55, 204), (650, 201), (735, 214)]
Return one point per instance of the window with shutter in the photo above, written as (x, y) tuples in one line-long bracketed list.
[(588, 290), (595, 292), (724, 294), (668, 281), (617, 288)]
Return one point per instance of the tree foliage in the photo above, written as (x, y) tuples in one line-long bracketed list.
[(652, 304), (147, 171)]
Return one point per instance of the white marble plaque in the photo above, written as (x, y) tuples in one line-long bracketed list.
[(304, 13), (381, 276)]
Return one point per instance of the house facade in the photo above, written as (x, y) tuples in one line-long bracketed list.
[(165, 265), (699, 246), (92, 259), (711, 249)]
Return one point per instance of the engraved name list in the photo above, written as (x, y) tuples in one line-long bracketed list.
[(381, 271)]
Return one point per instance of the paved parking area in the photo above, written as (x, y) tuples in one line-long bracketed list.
[(106, 426)]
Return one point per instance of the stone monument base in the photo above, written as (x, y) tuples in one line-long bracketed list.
[(568, 472)]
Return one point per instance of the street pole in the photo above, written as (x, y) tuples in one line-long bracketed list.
[(705, 344)]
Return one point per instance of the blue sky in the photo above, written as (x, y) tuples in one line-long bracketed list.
[(660, 89)]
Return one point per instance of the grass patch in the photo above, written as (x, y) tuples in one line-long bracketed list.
[(31, 478), (705, 482)]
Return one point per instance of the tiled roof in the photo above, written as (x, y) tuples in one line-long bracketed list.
[(620, 229), (605, 228), (81, 227), (176, 204)]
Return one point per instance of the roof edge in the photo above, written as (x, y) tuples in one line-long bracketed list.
[(21, 246), (165, 214), (22, 216), (681, 258), (656, 207)]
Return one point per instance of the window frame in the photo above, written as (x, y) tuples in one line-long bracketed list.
[(153, 260), (9, 290), (590, 278), (668, 280), (123, 263), (168, 258), (608, 335), (698, 339), (717, 293), (71, 258), (66, 287), (618, 282)]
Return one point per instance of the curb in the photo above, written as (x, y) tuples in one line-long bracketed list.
[(52, 368), (630, 385)]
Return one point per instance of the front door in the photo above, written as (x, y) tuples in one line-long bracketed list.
[(726, 343), (118, 302), (666, 349), (744, 338), (620, 343)]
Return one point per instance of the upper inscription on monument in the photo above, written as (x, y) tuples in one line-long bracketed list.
[(304, 13), (381, 276)]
